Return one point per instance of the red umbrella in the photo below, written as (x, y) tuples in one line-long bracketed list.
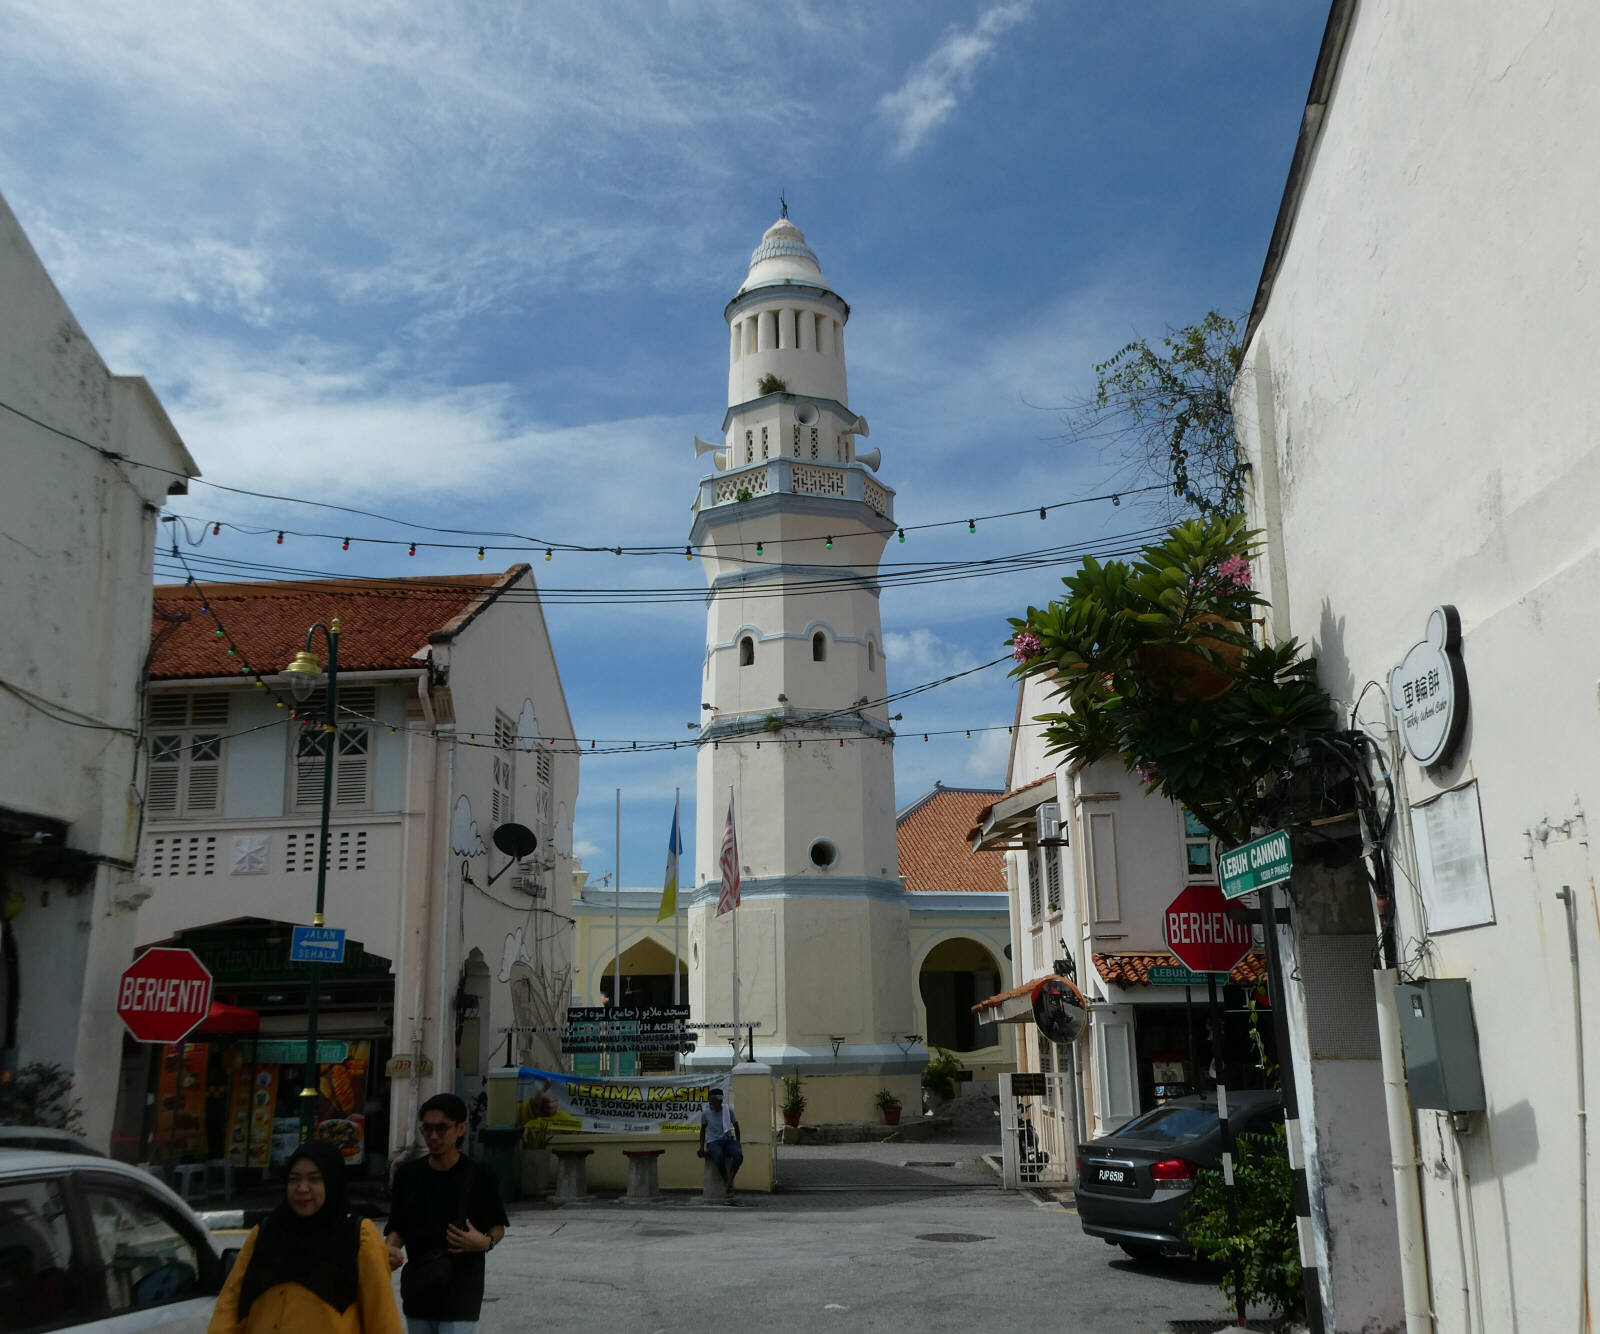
[(222, 1018)]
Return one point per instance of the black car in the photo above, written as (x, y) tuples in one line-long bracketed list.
[(1134, 1184)]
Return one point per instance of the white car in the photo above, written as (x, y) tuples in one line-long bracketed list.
[(92, 1244)]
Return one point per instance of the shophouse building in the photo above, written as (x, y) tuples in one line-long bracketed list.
[(451, 724)]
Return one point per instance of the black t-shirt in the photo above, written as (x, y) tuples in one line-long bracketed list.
[(425, 1203)]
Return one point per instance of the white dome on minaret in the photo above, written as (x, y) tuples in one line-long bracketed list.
[(783, 257)]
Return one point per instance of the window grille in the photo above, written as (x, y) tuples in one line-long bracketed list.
[(814, 440), (1035, 890), (1198, 861), (749, 447)]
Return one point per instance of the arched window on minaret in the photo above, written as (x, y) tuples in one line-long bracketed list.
[(819, 647), (872, 657), (747, 651)]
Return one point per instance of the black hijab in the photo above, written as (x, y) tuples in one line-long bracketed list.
[(319, 1252)]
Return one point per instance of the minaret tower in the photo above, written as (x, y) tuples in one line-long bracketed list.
[(790, 528)]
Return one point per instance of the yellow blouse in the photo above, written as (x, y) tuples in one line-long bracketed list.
[(288, 1308)]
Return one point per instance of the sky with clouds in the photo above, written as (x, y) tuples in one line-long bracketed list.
[(465, 265)]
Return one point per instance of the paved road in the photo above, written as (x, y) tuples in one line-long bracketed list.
[(866, 1260)]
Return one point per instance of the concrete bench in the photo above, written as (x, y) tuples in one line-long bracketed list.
[(711, 1184), (643, 1175), (572, 1174)]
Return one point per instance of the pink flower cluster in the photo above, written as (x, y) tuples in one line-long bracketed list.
[(1235, 572), (1026, 645), (1148, 773)]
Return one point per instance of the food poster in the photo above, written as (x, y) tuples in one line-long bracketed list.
[(251, 1105), (342, 1103), (181, 1098)]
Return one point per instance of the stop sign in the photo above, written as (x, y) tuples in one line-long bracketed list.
[(1199, 932), (163, 994)]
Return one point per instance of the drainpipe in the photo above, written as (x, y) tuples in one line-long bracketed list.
[(1403, 1162), (420, 906), (444, 1027), (1571, 905)]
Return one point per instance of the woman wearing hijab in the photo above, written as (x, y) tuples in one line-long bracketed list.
[(311, 1266)]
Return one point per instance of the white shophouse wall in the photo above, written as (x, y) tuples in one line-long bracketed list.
[(75, 602), (1420, 408)]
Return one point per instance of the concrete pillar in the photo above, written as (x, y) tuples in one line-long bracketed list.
[(808, 330)]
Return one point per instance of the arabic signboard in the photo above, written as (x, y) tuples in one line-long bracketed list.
[(317, 944), (1200, 932), (591, 1029), (1266, 861)]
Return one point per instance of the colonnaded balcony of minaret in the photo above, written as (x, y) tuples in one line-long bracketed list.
[(811, 465)]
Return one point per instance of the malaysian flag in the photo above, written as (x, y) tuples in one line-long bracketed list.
[(728, 899)]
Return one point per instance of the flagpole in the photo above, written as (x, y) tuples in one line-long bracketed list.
[(616, 915), (676, 986), (738, 1033)]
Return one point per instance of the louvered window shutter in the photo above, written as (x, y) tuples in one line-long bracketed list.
[(166, 774), (204, 795), (352, 768), (308, 767)]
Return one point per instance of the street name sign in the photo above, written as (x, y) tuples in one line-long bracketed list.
[(163, 995), (1165, 975), (1199, 931), (1266, 861), (317, 944)]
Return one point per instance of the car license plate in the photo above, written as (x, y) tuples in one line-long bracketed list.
[(1112, 1176)]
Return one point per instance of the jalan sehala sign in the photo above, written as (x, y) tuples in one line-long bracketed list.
[(621, 1106)]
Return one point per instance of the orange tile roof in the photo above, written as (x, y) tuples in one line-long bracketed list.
[(983, 811), (384, 622), (934, 851), (1133, 970), (1027, 987)]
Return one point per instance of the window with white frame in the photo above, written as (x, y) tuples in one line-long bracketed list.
[(1199, 862), (505, 770), (352, 753), (186, 737)]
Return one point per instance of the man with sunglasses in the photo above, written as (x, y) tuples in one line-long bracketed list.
[(445, 1203)]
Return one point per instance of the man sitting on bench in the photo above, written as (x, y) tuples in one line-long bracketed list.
[(719, 1140)]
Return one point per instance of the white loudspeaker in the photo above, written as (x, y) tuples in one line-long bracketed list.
[(806, 414), (871, 457), (704, 446), (720, 460), (858, 427)]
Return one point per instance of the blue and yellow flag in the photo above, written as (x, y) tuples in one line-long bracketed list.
[(669, 895)]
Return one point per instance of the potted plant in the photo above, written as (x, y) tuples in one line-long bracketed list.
[(794, 1101), (538, 1163), (889, 1105), (939, 1077)]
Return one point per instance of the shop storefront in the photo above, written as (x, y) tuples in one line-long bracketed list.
[(232, 1091)]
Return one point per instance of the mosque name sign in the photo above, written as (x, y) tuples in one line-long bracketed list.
[(1428, 690), (592, 1029)]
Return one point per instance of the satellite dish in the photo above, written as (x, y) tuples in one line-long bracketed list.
[(515, 840)]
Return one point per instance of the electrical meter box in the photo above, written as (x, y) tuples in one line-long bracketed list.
[(1440, 1041)]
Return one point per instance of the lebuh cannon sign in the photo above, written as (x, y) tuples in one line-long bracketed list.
[(1266, 861)]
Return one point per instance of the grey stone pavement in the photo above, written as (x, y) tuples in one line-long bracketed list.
[(889, 1237)]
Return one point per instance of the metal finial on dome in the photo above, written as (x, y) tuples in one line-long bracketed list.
[(783, 204)]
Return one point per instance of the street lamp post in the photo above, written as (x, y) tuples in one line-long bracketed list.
[(304, 674)]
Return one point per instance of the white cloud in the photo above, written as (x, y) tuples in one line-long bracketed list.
[(932, 92), (464, 839), (921, 655)]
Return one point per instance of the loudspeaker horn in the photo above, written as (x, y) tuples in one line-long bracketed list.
[(704, 446), (857, 427), (871, 457)]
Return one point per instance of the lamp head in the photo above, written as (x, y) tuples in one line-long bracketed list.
[(303, 675)]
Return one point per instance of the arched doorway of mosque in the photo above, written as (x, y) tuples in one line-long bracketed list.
[(955, 976)]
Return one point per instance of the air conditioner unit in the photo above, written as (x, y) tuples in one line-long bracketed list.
[(1047, 821), (527, 879)]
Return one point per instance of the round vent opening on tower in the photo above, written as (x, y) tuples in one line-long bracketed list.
[(806, 414), (824, 853)]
